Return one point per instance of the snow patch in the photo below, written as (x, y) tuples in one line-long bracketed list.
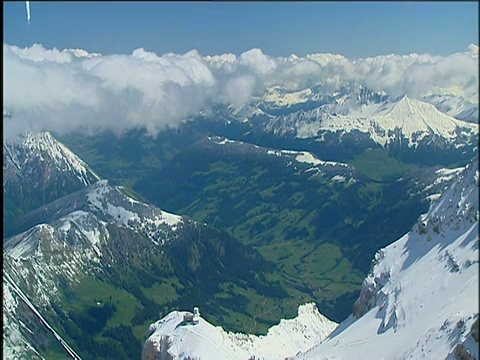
[(225, 141)]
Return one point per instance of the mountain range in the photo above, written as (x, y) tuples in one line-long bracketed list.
[(283, 201), (339, 126)]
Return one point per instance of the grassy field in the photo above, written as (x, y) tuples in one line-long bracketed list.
[(92, 292), (379, 166)]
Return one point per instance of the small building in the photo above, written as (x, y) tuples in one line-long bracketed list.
[(196, 312), (189, 318)]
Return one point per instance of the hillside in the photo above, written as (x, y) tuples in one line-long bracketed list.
[(320, 221)]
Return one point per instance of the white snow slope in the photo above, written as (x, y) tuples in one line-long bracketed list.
[(172, 339), (421, 297)]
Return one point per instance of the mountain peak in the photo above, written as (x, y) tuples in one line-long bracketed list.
[(417, 119), (406, 102), (29, 147), (173, 338), (80, 53)]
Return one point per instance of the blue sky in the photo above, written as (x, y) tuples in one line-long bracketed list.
[(353, 29)]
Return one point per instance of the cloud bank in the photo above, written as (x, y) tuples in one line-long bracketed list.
[(48, 89)]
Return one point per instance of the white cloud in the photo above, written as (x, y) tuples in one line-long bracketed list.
[(38, 53), (258, 62), (473, 49), (48, 89), (299, 74), (238, 90)]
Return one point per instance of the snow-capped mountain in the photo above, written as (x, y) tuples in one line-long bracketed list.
[(38, 169), (406, 120), (21, 154), (278, 101), (74, 237), (438, 129), (80, 53), (174, 339), (455, 106), (420, 299), (82, 221)]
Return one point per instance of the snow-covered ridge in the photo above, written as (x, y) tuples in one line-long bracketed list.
[(80, 53), (454, 105), (75, 240), (445, 175), (45, 147), (225, 141), (413, 118), (78, 236), (299, 156), (298, 160), (348, 98), (38, 53), (276, 97), (421, 298), (127, 212), (15, 345), (171, 338), (87, 213), (309, 328)]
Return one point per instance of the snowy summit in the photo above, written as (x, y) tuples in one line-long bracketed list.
[(173, 338)]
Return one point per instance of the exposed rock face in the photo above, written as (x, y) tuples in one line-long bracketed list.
[(157, 349)]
